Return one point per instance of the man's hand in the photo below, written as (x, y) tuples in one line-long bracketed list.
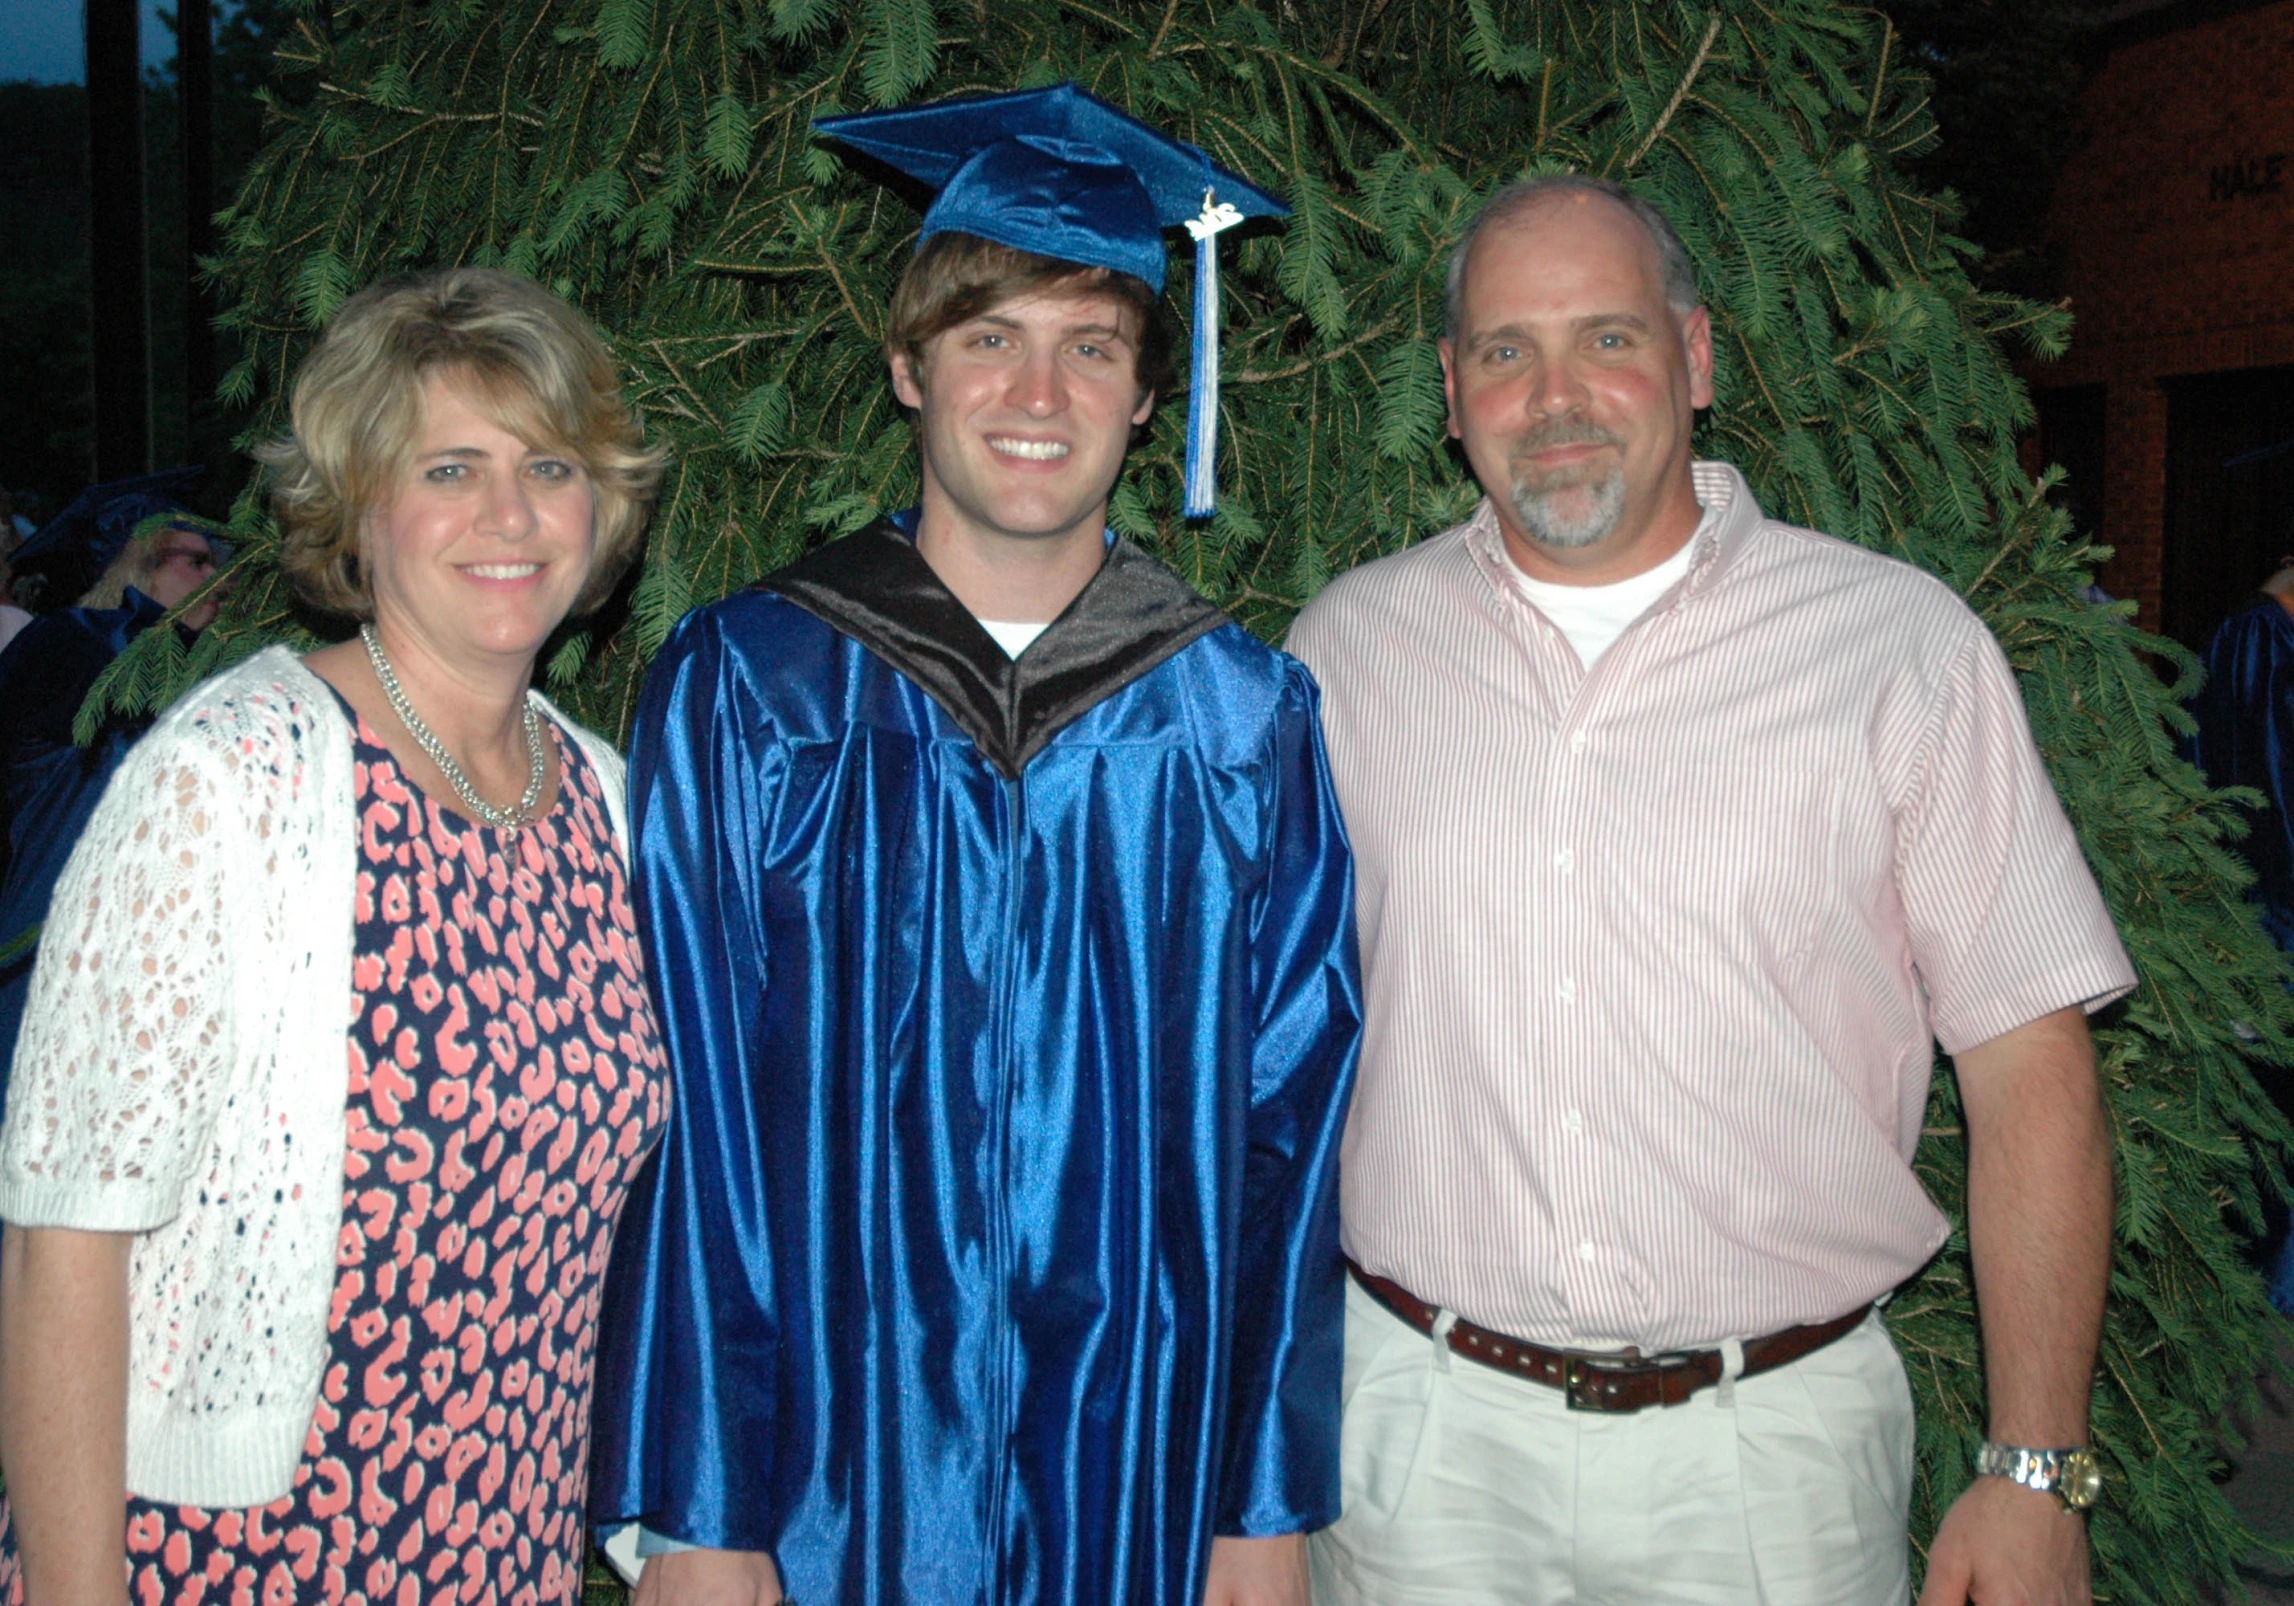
[(2039, 1222), (2004, 1545), (712, 1578), (1256, 1572)]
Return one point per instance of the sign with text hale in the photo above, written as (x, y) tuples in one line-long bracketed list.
[(2248, 175)]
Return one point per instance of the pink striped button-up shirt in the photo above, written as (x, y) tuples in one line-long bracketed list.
[(1654, 955)]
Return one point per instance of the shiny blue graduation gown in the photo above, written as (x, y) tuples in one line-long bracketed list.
[(991, 1255), (2245, 737)]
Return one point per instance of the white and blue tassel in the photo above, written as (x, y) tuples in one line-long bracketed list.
[(1203, 380)]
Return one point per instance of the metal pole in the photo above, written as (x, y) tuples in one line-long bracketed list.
[(119, 302)]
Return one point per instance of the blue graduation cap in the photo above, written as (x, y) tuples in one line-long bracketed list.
[(1060, 173)]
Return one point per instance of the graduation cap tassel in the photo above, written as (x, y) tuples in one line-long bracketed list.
[(1203, 388), (1203, 379)]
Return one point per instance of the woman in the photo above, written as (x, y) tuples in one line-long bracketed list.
[(325, 1305)]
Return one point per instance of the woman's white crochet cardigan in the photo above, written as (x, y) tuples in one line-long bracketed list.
[(182, 1072)]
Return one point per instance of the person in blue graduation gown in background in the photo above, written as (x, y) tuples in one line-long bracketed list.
[(2245, 737), (1001, 920), (132, 554)]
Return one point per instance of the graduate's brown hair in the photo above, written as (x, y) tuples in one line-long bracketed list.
[(956, 277)]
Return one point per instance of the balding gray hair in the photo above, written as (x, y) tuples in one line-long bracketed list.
[(1680, 275)]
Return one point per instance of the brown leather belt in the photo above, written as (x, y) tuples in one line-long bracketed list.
[(1623, 1380)]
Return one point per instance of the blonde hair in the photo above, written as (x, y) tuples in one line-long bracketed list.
[(535, 367), (138, 561)]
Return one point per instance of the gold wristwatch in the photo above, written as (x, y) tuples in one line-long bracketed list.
[(2074, 1477)]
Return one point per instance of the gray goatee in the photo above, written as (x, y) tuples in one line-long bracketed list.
[(1571, 509)]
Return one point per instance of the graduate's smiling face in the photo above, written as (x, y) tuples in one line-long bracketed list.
[(1024, 414)]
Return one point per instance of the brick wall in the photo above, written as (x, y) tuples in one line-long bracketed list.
[(2175, 223)]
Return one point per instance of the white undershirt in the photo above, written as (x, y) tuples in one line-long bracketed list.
[(1013, 637), (1593, 617)]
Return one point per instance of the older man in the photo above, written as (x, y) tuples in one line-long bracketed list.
[(1681, 835)]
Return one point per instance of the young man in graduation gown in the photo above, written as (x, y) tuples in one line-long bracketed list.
[(1000, 916)]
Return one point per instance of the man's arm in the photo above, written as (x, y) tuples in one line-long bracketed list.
[(2039, 1223), (1281, 1463), (684, 1406)]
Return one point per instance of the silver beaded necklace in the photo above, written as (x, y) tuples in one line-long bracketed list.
[(512, 819)]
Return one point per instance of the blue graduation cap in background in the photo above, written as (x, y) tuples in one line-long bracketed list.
[(78, 544), (1062, 174)]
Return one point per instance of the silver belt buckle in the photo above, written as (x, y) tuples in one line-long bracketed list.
[(1581, 1380)]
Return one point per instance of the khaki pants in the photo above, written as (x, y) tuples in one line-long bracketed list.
[(1463, 1485)]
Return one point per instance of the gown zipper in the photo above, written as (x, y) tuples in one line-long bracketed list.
[(999, 1232)]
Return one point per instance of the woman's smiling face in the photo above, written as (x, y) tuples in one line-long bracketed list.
[(488, 540)]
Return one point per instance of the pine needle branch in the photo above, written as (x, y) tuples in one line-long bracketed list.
[(1696, 65)]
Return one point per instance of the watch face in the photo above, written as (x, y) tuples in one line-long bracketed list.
[(2082, 1480)]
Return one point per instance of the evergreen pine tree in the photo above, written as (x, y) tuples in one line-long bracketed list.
[(650, 159)]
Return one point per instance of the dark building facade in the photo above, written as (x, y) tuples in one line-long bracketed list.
[(2174, 228)]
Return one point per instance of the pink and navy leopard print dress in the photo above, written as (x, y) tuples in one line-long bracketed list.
[(506, 1080)]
